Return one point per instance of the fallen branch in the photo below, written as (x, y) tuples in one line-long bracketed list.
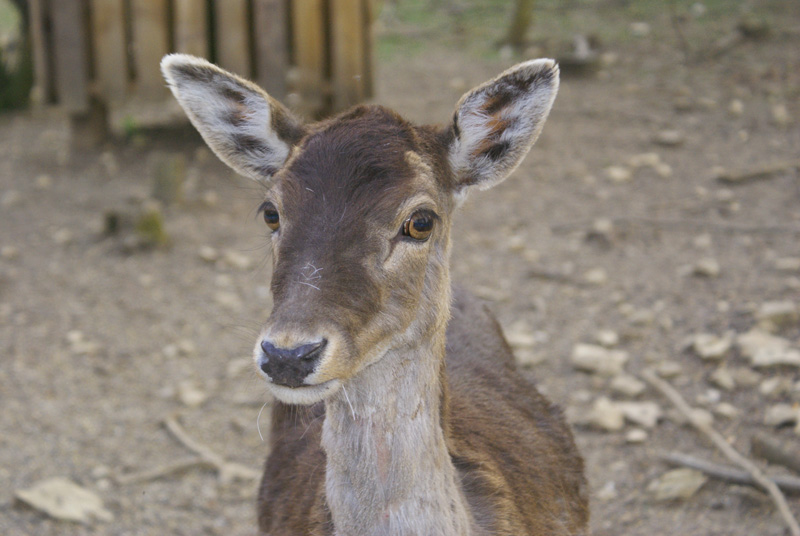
[(704, 428), (763, 172), (162, 471), (227, 471), (728, 473), (775, 451)]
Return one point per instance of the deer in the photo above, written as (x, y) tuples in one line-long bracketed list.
[(398, 408)]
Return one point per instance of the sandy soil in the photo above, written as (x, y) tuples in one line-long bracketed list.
[(99, 344)]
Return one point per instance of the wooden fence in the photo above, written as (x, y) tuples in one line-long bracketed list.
[(316, 55)]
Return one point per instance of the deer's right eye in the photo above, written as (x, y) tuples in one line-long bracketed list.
[(271, 216)]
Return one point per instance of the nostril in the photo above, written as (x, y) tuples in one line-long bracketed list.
[(311, 351), (290, 366)]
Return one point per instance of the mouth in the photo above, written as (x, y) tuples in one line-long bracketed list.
[(306, 394)]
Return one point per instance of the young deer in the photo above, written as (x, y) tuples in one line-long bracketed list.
[(418, 422)]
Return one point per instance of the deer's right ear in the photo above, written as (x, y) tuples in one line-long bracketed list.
[(245, 127)]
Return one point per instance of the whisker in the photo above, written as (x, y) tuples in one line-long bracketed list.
[(308, 284), (258, 426), (352, 411)]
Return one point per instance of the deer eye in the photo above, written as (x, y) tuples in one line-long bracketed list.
[(419, 226), (271, 216)]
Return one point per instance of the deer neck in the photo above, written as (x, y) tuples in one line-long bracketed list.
[(388, 466)]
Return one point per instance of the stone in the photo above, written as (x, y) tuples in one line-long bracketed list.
[(780, 115), (707, 267), (608, 492), (636, 435), (745, 377), (645, 414), (62, 236), (781, 414), (644, 160), (618, 173), (767, 350), (787, 264), (724, 409), (9, 253), (596, 276), (228, 300), (208, 253), (43, 182), (669, 369), (237, 260), (639, 29), (736, 108), (627, 385), (711, 347), (606, 415), (606, 338), (598, 360), (669, 138), (702, 241), (62, 499), (723, 379), (773, 316), (677, 484), (190, 395)]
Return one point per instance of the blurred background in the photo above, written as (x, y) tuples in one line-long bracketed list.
[(655, 225)]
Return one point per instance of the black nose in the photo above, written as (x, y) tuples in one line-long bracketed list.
[(290, 367)]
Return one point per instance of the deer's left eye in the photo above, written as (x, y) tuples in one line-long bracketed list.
[(419, 226), (271, 216)]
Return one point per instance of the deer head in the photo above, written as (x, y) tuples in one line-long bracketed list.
[(360, 208)]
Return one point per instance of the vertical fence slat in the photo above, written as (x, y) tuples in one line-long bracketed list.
[(308, 43), (41, 69), (191, 33), (110, 54), (368, 33), (232, 25), (151, 42), (347, 47), (71, 53), (270, 19)]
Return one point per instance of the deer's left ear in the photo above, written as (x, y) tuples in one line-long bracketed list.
[(496, 123)]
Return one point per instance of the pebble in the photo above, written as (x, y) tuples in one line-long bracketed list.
[(766, 350), (669, 138), (644, 160), (775, 387), (781, 414), (210, 198), (724, 409), (710, 347), (237, 260), (228, 300), (608, 492), (636, 435), (702, 241), (208, 254), (43, 182), (596, 276), (61, 498), (745, 377), (520, 336), (78, 344), (723, 379), (707, 267), (9, 252), (736, 108), (669, 369), (640, 29), (598, 360), (627, 385), (645, 414), (677, 484), (618, 173), (62, 236), (190, 395), (787, 264), (775, 315), (780, 115), (607, 338), (606, 415)]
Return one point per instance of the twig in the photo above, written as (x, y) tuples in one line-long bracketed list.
[(678, 223), (161, 471), (227, 471), (728, 473), (763, 172), (774, 451), (701, 426)]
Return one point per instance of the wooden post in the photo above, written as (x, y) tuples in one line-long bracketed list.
[(151, 42), (71, 55), (42, 89), (109, 48), (232, 23), (270, 20), (308, 43), (347, 46), (191, 32)]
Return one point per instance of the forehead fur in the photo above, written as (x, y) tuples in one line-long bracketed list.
[(356, 160)]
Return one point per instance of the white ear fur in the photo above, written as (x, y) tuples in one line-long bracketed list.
[(246, 128), (497, 123)]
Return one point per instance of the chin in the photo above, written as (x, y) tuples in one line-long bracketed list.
[(306, 395)]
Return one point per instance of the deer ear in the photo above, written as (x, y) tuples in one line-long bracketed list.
[(496, 123), (246, 128)]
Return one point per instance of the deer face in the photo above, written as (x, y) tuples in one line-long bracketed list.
[(359, 209)]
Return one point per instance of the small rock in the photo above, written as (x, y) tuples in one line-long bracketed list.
[(607, 338), (708, 267), (775, 387), (723, 379), (608, 492), (598, 360), (644, 160), (677, 484), (745, 377), (520, 336), (781, 414), (776, 315), (627, 385), (788, 264), (780, 115), (618, 173), (9, 252), (43, 182), (702, 241), (711, 347), (208, 254), (596, 276), (62, 236), (210, 198), (669, 369), (190, 395), (63, 499), (228, 300), (766, 350), (644, 414), (669, 138), (606, 415), (636, 435), (736, 108), (724, 409), (639, 29), (237, 260), (663, 170)]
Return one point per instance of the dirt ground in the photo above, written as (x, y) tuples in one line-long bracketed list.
[(99, 344)]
